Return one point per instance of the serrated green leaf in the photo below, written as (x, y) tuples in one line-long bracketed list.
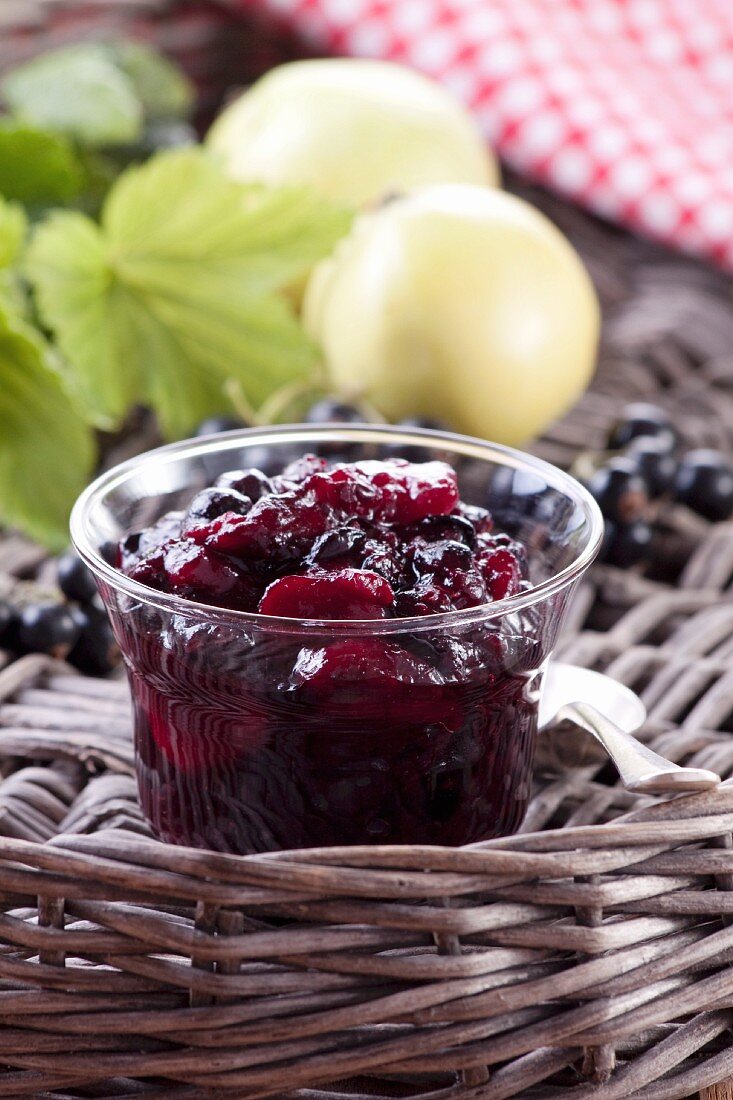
[(36, 166), (46, 449), (173, 294), (181, 207), (161, 86), (78, 298), (78, 91)]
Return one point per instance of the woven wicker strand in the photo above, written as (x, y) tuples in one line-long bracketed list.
[(606, 932)]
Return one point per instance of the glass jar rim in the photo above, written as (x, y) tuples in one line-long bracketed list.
[(465, 446)]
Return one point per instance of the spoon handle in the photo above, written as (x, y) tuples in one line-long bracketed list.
[(640, 768)]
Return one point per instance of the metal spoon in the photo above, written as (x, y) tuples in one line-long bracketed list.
[(586, 698)]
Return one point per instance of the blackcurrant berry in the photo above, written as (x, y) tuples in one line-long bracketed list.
[(96, 651), (626, 544), (215, 424), (447, 555), (74, 578), (210, 503), (704, 483), (250, 483), (339, 543), (620, 492), (8, 619), (47, 628), (654, 461), (454, 527), (329, 410), (641, 419)]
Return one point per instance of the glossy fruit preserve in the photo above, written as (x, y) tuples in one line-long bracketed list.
[(274, 732)]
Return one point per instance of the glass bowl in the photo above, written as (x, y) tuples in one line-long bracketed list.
[(256, 733)]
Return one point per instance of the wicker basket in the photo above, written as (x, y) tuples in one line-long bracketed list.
[(588, 957)]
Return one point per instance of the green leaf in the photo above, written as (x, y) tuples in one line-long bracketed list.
[(78, 91), (173, 295), (46, 449), (160, 85), (13, 227), (36, 166)]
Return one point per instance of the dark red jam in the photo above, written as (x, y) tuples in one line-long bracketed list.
[(254, 736)]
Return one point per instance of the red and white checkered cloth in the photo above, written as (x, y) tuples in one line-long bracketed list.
[(625, 106)]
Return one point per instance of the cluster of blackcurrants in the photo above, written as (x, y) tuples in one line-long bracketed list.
[(647, 462), (75, 629)]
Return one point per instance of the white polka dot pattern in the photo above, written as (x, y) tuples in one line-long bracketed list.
[(624, 105)]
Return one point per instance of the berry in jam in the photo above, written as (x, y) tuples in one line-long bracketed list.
[(339, 594), (214, 502), (328, 730)]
